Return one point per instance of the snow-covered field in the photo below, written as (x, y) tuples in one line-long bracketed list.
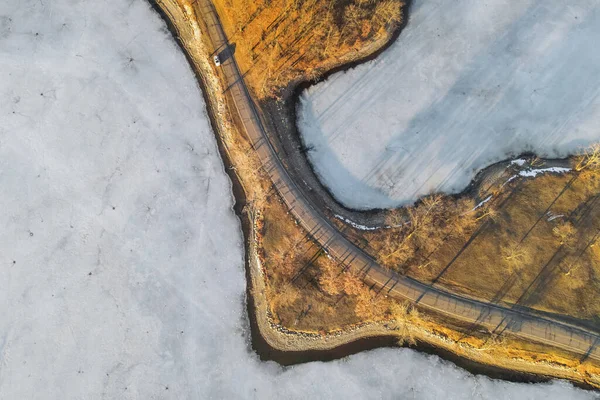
[(467, 83), (121, 261)]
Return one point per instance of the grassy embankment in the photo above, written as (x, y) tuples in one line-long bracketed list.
[(277, 43), (290, 260), (304, 287), (280, 42)]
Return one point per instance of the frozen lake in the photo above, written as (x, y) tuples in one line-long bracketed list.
[(121, 260), (467, 83)]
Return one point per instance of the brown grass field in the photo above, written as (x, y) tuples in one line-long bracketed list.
[(281, 41), (533, 243), (307, 289)]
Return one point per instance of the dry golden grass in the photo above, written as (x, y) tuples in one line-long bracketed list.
[(307, 290), (322, 300), (259, 30), (533, 244), (281, 41), (553, 267)]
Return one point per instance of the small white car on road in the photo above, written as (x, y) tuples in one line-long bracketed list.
[(217, 60)]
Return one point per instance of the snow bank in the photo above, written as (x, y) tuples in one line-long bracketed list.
[(356, 225), (482, 203), (532, 173), (121, 260), (467, 83)]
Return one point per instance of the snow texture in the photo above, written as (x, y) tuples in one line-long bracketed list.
[(466, 84), (482, 202), (532, 173), (356, 225), (121, 260)]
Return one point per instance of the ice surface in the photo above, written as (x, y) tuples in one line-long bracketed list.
[(121, 261), (466, 84)]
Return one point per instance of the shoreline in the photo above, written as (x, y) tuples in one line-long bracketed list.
[(280, 116), (286, 347), (289, 349)]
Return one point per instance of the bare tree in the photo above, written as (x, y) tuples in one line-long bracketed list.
[(570, 267), (565, 232), (589, 158), (395, 251), (515, 255), (536, 162), (404, 315), (488, 212), (388, 13)]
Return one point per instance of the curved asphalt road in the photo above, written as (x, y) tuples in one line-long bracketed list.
[(495, 318)]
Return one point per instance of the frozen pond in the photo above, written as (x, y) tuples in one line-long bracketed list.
[(121, 260), (467, 83)]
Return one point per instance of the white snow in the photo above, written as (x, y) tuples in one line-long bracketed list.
[(466, 84), (535, 172), (121, 261), (482, 202), (553, 217), (509, 180), (356, 225)]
